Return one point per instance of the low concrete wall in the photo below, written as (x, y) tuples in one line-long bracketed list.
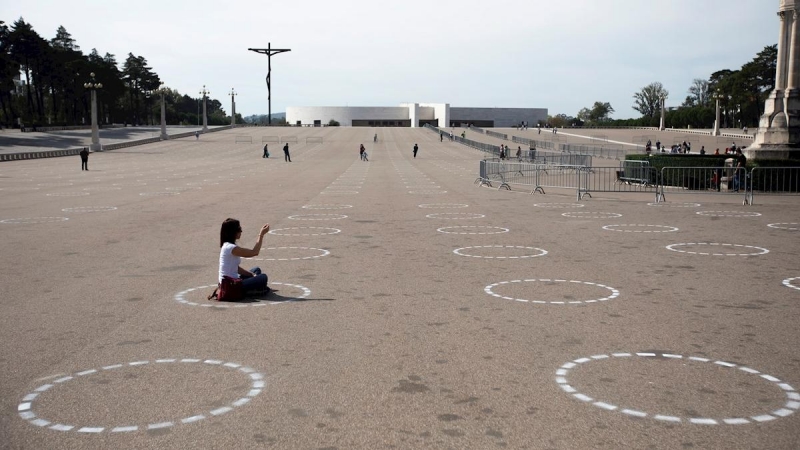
[(109, 147)]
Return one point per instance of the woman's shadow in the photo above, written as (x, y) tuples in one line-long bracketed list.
[(273, 296)]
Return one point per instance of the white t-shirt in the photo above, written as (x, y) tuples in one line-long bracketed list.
[(228, 263)]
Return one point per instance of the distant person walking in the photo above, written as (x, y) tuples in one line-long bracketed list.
[(375, 139), (266, 152), (361, 152), (441, 137), (286, 156), (84, 159), (416, 149), (196, 135)]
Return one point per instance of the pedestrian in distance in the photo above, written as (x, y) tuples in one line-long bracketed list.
[(441, 137), (519, 153), (266, 152), (84, 159), (375, 139), (196, 135), (286, 156), (416, 149), (361, 152)]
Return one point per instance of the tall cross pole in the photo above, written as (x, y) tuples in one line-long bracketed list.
[(269, 51)]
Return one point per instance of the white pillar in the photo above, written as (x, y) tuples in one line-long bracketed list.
[(716, 122), (95, 147), (792, 82), (780, 77), (662, 125), (163, 119), (205, 119)]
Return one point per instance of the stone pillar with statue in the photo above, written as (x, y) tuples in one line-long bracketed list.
[(778, 135)]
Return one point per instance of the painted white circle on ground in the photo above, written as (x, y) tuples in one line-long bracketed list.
[(792, 405), (761, 251), (102, 188), (559, 205), (26, 408), (318, 217), (182, 189), (490, 290), (154, 194), (313, 231), (427, 191), (728, 214), (330, 206), (477, 228), (443, 205), (88, 209), (180, 297), (644, 228), (453, 216), (19, 189), (67, 194), (31, 220), (55, 184), (791, 226), (591, 215), (322, 251), (676, 205), (789, 283), (339, 192), (540, 252)]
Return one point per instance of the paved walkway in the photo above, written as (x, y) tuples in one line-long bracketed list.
[(412, 307), (14, 141)]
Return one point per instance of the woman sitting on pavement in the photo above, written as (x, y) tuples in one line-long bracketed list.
[(230, 257)]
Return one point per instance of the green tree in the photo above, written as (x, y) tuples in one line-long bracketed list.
[(648, 100), (699, 93)]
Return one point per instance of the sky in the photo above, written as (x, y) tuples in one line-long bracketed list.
[(562, 56)]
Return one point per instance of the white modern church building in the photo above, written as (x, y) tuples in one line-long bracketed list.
[(413, 115)]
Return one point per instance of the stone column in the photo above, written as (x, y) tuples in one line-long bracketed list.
[(778, 135), (205, 118), (95, 146), (164, 135)]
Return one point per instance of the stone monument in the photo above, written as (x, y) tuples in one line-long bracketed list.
[(778, 135)]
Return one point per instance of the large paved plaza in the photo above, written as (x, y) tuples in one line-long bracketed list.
[(413, 309)]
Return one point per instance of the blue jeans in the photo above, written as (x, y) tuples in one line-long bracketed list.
[(255, 283)]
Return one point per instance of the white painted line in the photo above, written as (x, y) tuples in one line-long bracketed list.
[(605, 406), (221, 411), (91, 430), (60, 427), (764, 418), (737, 421), (40, 422), (158, 426), (667, 418), (700, 421), (634, 413), (583, 398), (193, 419), (127, 429)]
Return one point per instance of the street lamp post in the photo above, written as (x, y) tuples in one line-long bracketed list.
[(662, 124), (233, 94), (161, 90), (717, 96), (93, 86), (205, 93)]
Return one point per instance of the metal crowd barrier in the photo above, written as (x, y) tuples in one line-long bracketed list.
[(497, 135), (773, 181), (533, 142), (707, 180), (602, 152)]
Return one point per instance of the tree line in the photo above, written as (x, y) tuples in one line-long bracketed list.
[(742, 94), (42, 84)]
